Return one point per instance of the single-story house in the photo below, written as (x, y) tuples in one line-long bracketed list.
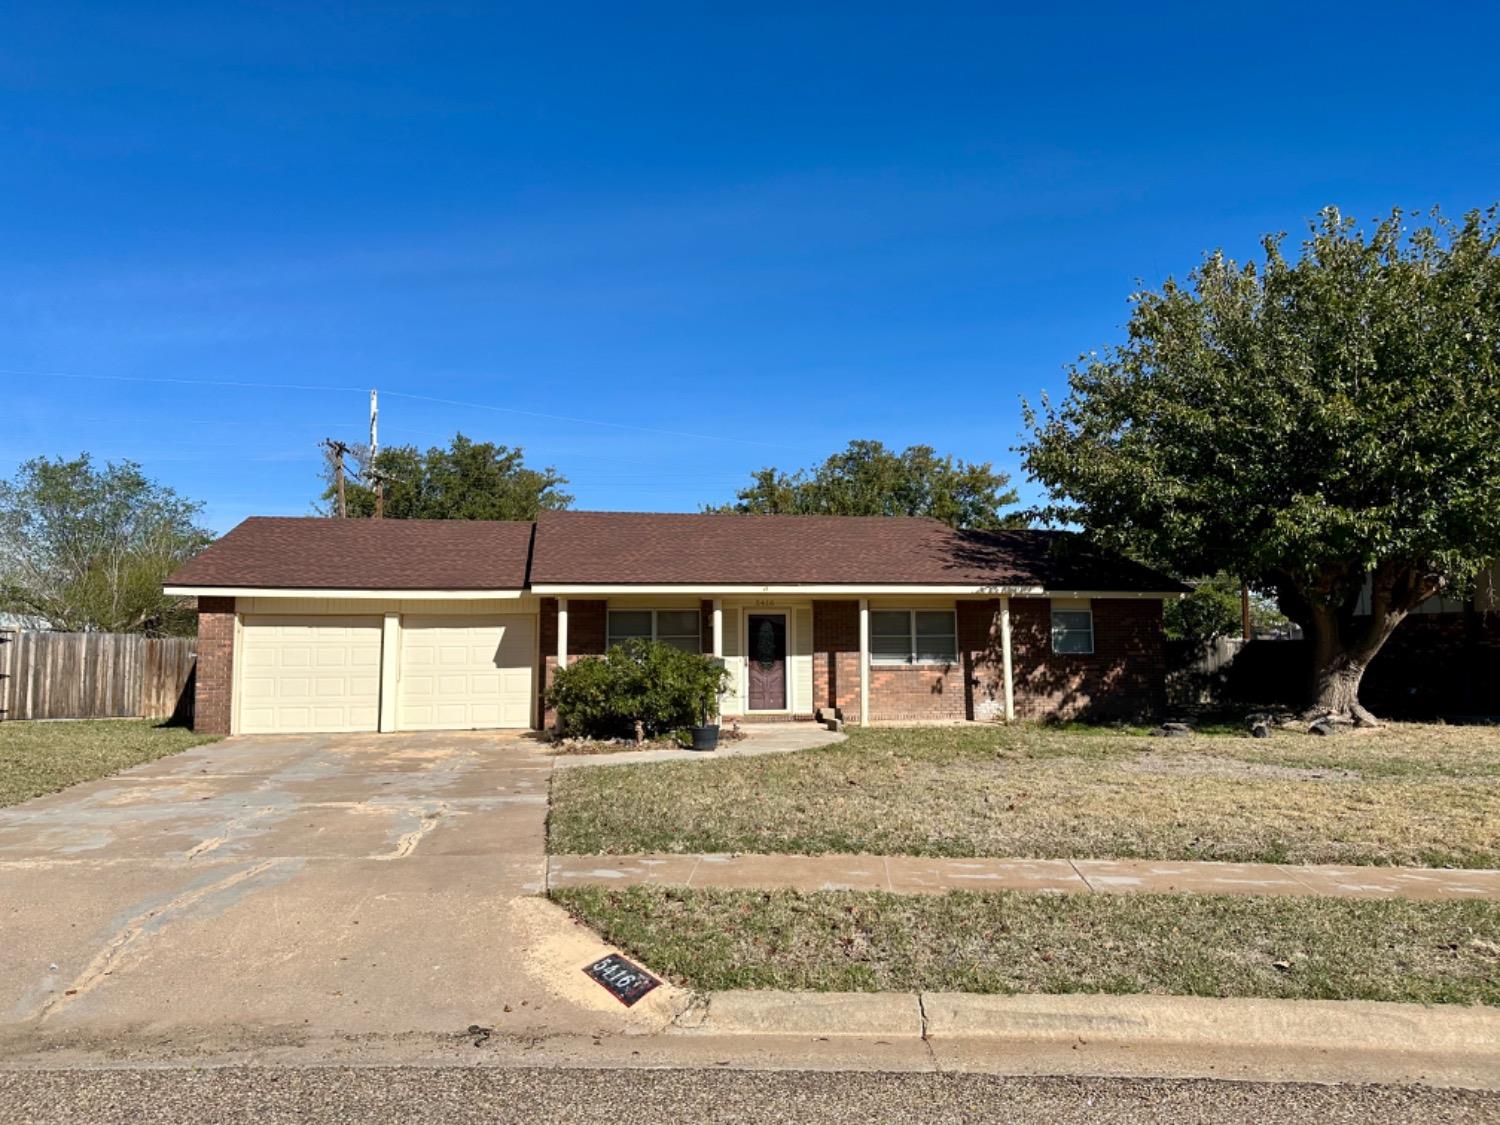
[(316, 624)]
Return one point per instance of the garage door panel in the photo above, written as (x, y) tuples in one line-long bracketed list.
[(310, 674), (463, 673)]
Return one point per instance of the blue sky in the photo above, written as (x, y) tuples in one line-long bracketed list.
[(735, 235)]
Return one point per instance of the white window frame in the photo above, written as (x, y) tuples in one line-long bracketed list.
[(1068, 605), (911, 660), (610, 642)]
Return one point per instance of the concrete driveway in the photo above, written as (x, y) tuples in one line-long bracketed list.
[(261, 893)]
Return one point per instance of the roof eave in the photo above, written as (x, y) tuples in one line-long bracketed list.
[(465, 594)]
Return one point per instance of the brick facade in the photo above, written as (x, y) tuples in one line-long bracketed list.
[(970, 688), (213, 677), (1124, 677), (588, 627), (836, 658)]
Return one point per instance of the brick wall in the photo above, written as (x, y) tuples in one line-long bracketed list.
[(587, 636), (836, 658), (213, 693), (1124, 677), (970, 687)]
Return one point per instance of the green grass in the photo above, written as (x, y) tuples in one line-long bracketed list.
[(1006, 942), (38, 758), (1404, 794)]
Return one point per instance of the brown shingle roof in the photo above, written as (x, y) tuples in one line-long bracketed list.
[(320, 553), (652, 548), (646, 548)]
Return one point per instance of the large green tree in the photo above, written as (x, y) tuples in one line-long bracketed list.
[(1317, 424), (867, 479), (87, 549), (468, 480)]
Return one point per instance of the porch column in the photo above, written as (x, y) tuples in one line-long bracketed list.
[(1005, 661), (864, 662), (718, 653), (562, 633)]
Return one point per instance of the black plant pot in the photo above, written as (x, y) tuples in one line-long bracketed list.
[(706, 738)]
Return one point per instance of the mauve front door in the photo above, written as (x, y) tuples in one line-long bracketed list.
[(767, 659)]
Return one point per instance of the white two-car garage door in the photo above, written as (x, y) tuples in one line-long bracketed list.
[(466, 673), (309, 674)]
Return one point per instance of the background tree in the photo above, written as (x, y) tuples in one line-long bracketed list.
[(1310, 424), (1213, 610), (88, 549), (867, 479), (469, 480)]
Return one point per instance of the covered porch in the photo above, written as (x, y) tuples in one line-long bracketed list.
[(890, 656)]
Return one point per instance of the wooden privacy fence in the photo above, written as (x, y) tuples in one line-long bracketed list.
[(95, 676)]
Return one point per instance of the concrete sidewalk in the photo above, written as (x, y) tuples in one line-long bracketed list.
[(922, 875), (762, 738)]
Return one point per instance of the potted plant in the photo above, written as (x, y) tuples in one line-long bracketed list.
[(706, 732)]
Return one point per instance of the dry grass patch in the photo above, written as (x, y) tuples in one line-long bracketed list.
[(1006, 942), (1401, 795), (43, 757)]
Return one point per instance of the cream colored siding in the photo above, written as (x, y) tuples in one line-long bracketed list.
[(800, 662), (734, 661), (465, 672), (299, 675)]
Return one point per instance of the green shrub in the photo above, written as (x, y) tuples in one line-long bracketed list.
[(638, 688)]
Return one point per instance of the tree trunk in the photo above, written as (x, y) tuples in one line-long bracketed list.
[(1339, 661)]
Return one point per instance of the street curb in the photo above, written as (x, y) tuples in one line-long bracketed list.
[(826, 1014), (938, 1017), (1351, 1025)]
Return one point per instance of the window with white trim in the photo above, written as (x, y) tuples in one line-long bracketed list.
[(913, 636), (679, 628), (1072, 627)]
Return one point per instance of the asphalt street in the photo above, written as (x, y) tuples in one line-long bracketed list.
[(627, 1097)]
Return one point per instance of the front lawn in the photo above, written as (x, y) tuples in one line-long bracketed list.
[(1004, 942), (43, 757), (1403, 794)]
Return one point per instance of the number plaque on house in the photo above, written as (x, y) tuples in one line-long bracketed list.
[(627, 982)]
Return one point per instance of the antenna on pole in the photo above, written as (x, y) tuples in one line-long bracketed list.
[(374, 418)]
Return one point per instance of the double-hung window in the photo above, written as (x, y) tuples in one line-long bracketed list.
[(676, 627), (913, 636), (1072, 627)]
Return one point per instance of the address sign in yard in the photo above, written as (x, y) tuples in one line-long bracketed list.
[(627, 982)]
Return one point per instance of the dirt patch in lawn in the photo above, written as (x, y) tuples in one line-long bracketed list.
[(1209, 765), (1425, 796), (1005, 942)]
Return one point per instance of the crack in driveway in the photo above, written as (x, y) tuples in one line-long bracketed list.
[(142, 925)]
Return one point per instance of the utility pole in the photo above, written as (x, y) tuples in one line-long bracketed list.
[(374, 473), (1244, 609), (337, 450), (377, 480)]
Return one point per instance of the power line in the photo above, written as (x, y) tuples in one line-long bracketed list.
[(584, 421), (400, 394)]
